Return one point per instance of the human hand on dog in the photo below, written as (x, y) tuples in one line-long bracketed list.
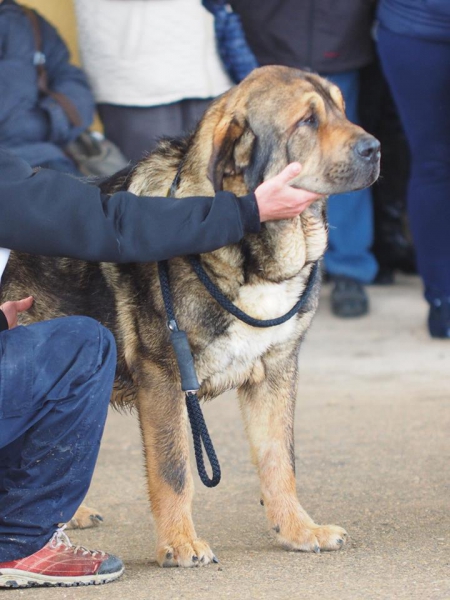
[(277, 200), (13, 308)]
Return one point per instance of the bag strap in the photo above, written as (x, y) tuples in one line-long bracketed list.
[(39, 61)]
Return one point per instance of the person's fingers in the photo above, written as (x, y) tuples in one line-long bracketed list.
[(302, 196), (310, 197), (25, 304), (288, 173)]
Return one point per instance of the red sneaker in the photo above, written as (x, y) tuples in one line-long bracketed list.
[(59, 563)]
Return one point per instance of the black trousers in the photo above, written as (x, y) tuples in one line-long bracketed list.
[(136, 130)]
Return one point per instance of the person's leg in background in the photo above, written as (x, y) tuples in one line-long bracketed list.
[(349, 261), (55, 384), (392, 247), (192, 111), (136, 130), (421, 90)]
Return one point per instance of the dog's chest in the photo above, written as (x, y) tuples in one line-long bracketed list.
[(230, 359)]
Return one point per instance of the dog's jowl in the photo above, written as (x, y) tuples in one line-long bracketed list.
[(275, 116)]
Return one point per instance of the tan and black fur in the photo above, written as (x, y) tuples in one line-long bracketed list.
[(275, 116)]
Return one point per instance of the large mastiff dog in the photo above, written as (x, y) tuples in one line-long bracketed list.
[(275, 116)]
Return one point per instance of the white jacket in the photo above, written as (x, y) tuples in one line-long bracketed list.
[(4, 255), (149, 52)]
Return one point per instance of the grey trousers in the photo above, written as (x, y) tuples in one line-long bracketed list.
[(136, 129)]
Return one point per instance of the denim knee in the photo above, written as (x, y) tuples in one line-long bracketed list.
[(108, 349), (73, 353), (92, 343)]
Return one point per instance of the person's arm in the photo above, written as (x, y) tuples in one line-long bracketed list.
[(54, 214), (66, 79), (17, 98)]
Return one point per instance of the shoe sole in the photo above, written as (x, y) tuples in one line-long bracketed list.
[(349, 313), (13, 578)]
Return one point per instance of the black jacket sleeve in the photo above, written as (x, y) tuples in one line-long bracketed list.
[(53, 214), (3, 321)]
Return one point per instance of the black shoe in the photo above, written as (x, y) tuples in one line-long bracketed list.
[(348, 298), (385, 276), (394, 251), (439, 318)]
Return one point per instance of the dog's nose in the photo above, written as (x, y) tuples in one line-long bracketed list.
[(367, 147)]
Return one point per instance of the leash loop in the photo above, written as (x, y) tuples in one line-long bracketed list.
[(226, 303), (201, 436)]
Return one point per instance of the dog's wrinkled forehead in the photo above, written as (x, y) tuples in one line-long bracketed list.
[(288, 94), (327, 91)]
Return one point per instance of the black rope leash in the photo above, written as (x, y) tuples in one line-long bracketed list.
[(189, 385), (240, 314), (200, 435), (189, 381)]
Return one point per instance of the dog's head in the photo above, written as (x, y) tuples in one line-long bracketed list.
[(278, 115)]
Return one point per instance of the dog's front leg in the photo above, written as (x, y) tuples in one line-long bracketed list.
[(268, 406), (163, 422)]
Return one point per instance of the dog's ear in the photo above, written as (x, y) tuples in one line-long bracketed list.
[(232, 149), (260, 157)]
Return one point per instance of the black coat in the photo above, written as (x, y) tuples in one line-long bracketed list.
[(54, 214), (326, 36)]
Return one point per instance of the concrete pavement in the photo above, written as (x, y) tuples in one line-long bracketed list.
[(372, 446)]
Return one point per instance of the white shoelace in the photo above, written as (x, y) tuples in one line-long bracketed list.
[(60, 537)]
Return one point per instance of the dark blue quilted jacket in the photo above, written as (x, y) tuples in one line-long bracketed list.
[(232, 46), (427, 19), (35, 127)]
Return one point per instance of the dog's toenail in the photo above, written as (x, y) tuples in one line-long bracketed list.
[(339, 541), (194, 558), (215, 559), (317, 549), (261, 502), (276, 529), (169, 555)]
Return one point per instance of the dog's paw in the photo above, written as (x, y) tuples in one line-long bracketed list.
[(195, 553), (313, 538), (84, 518)]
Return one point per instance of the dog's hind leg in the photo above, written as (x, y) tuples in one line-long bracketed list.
[(163, 422), (268, 406)]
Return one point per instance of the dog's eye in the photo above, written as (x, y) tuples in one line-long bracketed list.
[(308, 120)]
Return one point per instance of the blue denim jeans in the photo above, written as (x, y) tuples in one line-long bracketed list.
[(350, 216), (417, 71), (55, 384)]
